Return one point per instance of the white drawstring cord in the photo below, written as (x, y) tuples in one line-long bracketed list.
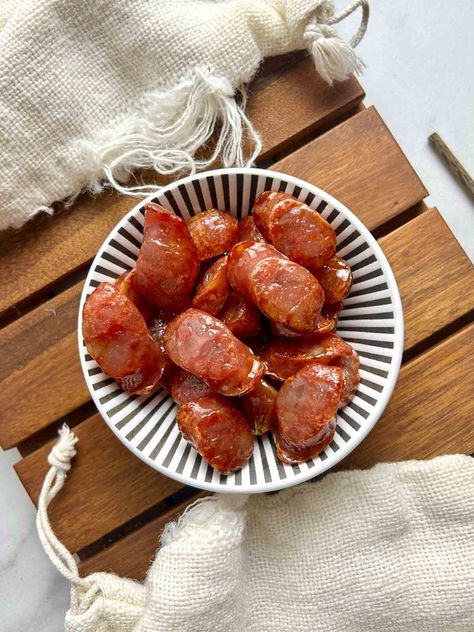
[(60, 460)]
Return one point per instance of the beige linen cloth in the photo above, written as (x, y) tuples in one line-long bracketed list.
[(92, 90), (385, 550)]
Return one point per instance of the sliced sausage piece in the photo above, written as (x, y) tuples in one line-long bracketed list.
[(248, 230), (186, 387), (126, 284), (156, 329), (284, 357), (117, 338), (218, 431), (168, 263), (283, 290), (258, 407), (306, 409), (335, 277), (212, 291), (204, 346), (214, 232), (324, 325), (294, 228), (350, 375), (241, 316)]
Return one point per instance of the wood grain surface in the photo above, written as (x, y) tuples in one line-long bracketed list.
[(360, 163), (301, 101), (106, 487), (433, 273)]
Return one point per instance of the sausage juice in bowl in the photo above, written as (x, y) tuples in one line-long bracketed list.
[(230, 326)]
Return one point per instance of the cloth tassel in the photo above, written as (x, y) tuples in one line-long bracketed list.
[(167, 130), (334, 58)]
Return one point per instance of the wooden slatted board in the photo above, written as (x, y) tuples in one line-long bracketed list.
[(114, 506)]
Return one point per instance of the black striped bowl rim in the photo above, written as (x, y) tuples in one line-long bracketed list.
[(372, 321)]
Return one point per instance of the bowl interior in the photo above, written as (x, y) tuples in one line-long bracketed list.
[(371, 321)]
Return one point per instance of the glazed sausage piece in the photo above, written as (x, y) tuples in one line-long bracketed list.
[(240, 316), (214, 232), (212, 291), (168, 263), (294, 228), (350, 376), (126, 284), (324, 325), (284, 357), (283, 290), (306, 408), (248, 230), (204, 346), (186, 387), (335, 277), (218, 431), (156, 329), (258, 407), (117, 338)]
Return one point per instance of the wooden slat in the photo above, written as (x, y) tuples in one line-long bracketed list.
[(52, 247), (101, 495), (131, 556), (289, 101), (359, 163), (436, 284), (431, 411), (434, 275), (430, 414), (35, 332), (49, 386)]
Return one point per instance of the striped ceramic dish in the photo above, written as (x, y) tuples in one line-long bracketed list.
[(371, 321)]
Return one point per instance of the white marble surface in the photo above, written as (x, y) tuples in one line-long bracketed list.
[(419, 74)]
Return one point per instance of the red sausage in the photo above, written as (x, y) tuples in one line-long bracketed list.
[(214, 232), (156, 329), (258, 407), (117, 338), (168, 263), (204, 346), (335, 277), (283, 290), (294, 228), (284, 357), (350, 375), (306, 408), (186, 387), (218, 431), (240, 316), (248, 230), (212, 291), (323, 326), (126, 284)]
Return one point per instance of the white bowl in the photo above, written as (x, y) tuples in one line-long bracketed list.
[(372, 321)]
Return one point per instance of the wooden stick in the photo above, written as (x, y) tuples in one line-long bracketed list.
[(453, 164)]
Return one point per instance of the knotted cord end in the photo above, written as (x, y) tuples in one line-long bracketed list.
[(64, 450)]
